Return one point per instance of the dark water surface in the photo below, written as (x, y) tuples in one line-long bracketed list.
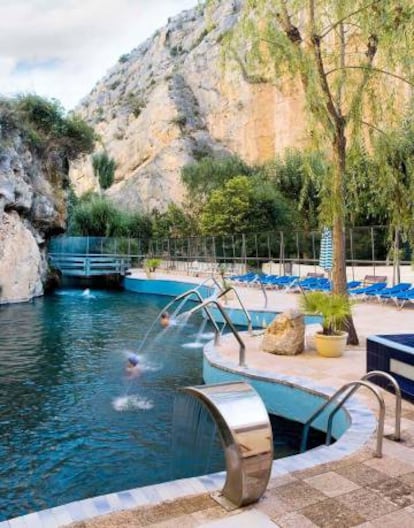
[(71, 424)]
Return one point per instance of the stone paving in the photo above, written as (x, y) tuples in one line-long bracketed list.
[(358, 490)]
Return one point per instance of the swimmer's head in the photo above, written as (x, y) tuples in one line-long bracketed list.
[(165, 315), (133, 360)]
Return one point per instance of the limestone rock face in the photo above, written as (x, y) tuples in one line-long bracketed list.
[(170, 102), (21, 262), (32, 208), (286, 334)]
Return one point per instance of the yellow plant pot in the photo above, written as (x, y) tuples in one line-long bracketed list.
[(330, 345)]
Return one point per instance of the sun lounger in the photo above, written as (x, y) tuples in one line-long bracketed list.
[(404, 297), (388, 293), (362, 292), (285, 281)]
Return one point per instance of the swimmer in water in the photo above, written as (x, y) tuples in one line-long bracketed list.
[(132, 366), (165, 319)]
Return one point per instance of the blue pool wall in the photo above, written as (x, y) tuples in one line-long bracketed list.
[(285, 399), (169, 288), (292, 397), (172, 288)]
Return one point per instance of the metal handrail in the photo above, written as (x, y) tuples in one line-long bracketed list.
[(212, 278), (179, 298), (243, 307), (242, 349), (352, 386), (195, 292), (264, 293), (394, 382)]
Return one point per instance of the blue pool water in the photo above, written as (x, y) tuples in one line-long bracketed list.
[(72, 425)]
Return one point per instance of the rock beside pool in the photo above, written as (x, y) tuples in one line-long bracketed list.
[(286, 334)]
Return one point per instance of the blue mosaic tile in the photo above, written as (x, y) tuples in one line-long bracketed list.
[(127, 500), (89, 508), (139, 497), (102, 505), (75, 511)]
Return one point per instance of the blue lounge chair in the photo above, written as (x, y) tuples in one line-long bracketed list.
[(368, 289), (285, 281), (404, 297), (388, 293)]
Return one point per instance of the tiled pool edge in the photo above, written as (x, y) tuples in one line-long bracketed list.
[(363, 425)]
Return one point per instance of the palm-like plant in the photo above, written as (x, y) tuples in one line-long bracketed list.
[(151, 264), (333, 308)]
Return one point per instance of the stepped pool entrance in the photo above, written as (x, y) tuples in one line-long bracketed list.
[(72, 424)]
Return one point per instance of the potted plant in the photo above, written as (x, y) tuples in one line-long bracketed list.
[(150, 265), (334, 310)]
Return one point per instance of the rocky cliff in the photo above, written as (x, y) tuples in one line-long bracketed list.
[(170, 102), (34, 182)]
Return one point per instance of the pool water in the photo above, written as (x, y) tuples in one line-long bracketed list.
[(72, 424)]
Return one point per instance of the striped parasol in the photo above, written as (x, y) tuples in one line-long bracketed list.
[(326, 254)]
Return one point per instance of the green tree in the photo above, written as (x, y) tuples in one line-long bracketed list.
[(202, 177), (394, 155), (174, 223), (245, 204), (104, 169), (298, 175), (351, 58)]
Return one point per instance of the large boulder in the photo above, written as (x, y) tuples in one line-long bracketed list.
[(286, 334)]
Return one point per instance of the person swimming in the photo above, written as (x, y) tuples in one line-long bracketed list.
[(165, 319), (132, 366)]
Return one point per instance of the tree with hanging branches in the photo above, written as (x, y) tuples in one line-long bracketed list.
[(353, 62)]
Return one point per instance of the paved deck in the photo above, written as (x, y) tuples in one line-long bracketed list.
[(359, 490)]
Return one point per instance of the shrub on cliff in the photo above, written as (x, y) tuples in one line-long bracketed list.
[(104, 169), (45, 126)]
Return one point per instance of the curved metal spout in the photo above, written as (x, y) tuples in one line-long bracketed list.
[(242, 349), (246, 435), (195, 292), (179, 298), (246, 313)]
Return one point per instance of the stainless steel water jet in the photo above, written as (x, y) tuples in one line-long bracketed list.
[(246, 435)]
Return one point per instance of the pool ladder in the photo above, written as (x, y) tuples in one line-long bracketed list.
[(346, 391)]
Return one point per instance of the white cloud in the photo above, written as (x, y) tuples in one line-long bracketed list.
[(62, 48)]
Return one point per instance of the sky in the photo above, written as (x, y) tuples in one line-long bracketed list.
[(61, 48)]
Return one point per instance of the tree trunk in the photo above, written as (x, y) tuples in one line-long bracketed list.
[(339, 279), (396, 275)]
